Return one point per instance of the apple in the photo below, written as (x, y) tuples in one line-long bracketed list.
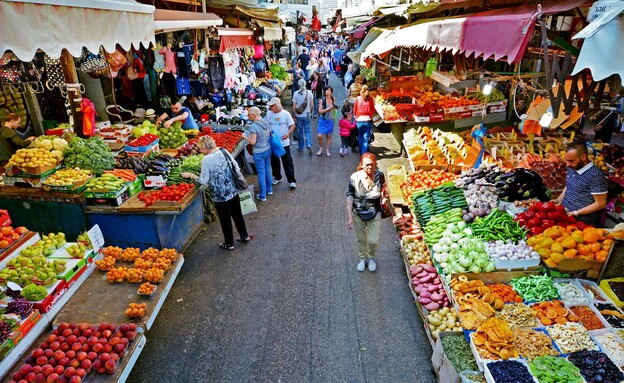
[(76, 346), (104, 357), (115, 357), (55, 345), (112, 327), (61, 339), (87, 333), (103, 326), (40, 378), (132, 326), (85, 347), (76, 332), (103, 341), (52, 362), (124, 341), (119, 348), (30, 377), (17, 376), (65, 347), (63, 326), (91, 341), (30, 360), (82, 339), (98, 348), (45, 345), (83, 327), (36, 369), (113, 341), (123, 328), (58, 355), (75, 363), (130, 335)]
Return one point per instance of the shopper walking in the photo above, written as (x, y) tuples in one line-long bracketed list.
[(216, 175), (258, 135), (282, 124), (347, 126), (363, 109), (316, 86), (364, 199), (302, 104), (326, 120)]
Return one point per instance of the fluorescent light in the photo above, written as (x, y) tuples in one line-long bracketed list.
[(546, 119)]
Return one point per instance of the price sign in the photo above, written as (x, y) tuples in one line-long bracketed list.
[(494, 152), (14, 286), (96, 238)]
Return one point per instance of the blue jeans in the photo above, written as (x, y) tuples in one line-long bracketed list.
[(303, 127), (364, 129), (263, 167)]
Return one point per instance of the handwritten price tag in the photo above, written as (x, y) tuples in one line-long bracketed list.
[(96, 238)]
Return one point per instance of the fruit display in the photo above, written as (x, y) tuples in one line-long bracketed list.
[(505, 292), (557, 243), (113, 251), (553, 312), (34, 292), (486, 172), (90, 154), (146, 288), (424, 179), (130, 254), (106, 183), (596, 366), (68, 177), (72, 351), (174, 193), (146, 127), (143, 140), (612, 345), (518, 315), (508, 371), (533, 343), (495, 95), (587, 317), (116, 275), (173, 136), (136, 310), (134, 275), (542, 215), (76, 250), (547, 368), (154, 275), (126, 175), (552, 169), (8, 235), (495, 340), (569, 292), (510, 251), (613, 154), (32, 157), (105, 264), (19, 306), (228, 140)]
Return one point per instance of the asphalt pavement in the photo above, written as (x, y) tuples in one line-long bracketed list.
[(290, 306)]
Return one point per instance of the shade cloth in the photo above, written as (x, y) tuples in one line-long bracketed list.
[(603, 53), (272, 31), (360, 31), (169, 21), (371, 36), (52, 25), (289, 35), (235, 38), (498, 33)]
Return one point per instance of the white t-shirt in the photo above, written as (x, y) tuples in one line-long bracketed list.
[(280, 123), (298, 99)]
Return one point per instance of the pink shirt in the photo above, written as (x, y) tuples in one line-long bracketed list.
[(170, 64), (345, 127)]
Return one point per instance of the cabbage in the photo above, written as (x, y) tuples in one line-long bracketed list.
[(59, 144), (489, 268), (465, 261), (475, 269)]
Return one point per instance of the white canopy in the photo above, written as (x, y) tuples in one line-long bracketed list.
[(603, 52), (289, 35), (169, 21), (51, 25)]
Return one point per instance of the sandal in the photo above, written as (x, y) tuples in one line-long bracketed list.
[(243, 240), (319, 153), (225, 246)]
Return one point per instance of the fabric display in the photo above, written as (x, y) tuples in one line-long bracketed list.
[(183, 85), (13, 71), (30, 72), (159, 62), (10, 73), (137, 62), (183, 67), (131, 73), (117, 61), (170, 59), (93, 64), (217, 71), (54, 73)]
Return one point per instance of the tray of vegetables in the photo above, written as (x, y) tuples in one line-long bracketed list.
[(535, 288), (508, 255), (549, 369)]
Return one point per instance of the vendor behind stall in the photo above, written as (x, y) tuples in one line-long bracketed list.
[(179, 113), (9, 140), (585, 194)]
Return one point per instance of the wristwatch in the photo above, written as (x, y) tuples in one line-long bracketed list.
[(575, 213)]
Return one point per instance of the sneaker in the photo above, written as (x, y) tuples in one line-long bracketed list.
[(275, 182), (361, 266), (292, 185), (270, 193), (309, 150), (372, 266), (260, 199), (342, 152)]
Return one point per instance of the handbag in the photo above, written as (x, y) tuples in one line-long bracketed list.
[(54, 73), (301, 108), (92, 63), (276, 145), (368, 214), (239, 180)]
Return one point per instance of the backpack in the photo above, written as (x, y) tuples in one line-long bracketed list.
[(301, 108)]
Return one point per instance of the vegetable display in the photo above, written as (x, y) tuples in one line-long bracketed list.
[(406, 225), (424, 179), (444, 319), (482, 198), (143, 140), (595, 366), (91, 154), (542, 215), (556, 244), (173, 193), (548, 369), (535, 288), (437, 225), (552, 169), (191, 164), (415, 250), (173, 136), (437, 201), (428, 285), (485, 172), (498, 225), (458, 352), (510, 251), (520, 184)]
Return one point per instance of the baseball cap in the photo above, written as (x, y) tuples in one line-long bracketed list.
[(204, 118), (274, 101)]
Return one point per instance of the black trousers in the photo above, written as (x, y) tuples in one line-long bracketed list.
[(228, 211), (289, 167)]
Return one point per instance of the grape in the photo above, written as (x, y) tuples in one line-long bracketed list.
[(13, 293), (19, 306), (5, 330)]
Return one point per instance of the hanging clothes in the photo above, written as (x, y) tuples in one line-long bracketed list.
[(88, 117), (217, 71), (170, 59), (183, 66), (169, 84), (159, 61)]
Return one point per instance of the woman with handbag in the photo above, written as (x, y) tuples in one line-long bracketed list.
[(259, 135), (365, 198), (218, 172)]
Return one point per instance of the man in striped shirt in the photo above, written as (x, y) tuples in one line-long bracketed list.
[(585, 194)]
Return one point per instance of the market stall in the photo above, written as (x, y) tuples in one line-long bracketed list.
[(508, 285)]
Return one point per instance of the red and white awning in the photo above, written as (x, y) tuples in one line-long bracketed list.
[(232, 38)]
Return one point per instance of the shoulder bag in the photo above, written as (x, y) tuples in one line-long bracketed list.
[(301, 108), (239, 180)]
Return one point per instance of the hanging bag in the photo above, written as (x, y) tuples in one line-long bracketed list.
[(301, 108), (239, 180), (93, 64), (54, 73)]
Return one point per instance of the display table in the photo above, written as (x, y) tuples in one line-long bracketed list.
[(100, 301), (159, 229), (45, 212)]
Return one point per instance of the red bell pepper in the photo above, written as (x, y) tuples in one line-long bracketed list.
[(534, 222), (536, 230), (530, 214), (547, 223), (541, 215)]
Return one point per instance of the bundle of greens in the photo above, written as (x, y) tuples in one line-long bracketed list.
[(90, 154), (278, 72)]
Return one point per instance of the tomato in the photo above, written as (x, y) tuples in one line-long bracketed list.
[(21, 230), (15, 236)]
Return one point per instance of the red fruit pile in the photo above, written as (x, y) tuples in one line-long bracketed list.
[(143, 140), (8, 235), (168, 193), (74, 350), (542, 215)]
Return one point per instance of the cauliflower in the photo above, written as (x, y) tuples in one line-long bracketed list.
[(43, 143), (59, 144), (58, 154)]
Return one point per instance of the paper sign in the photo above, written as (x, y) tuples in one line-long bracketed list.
[(96, 238), (494, 152), (14, 286)]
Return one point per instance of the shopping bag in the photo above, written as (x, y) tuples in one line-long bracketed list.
[(248, 205), (276, 146)]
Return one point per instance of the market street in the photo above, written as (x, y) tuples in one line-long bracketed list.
[(290, 306)]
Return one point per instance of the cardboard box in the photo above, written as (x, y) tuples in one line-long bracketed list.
[(442, 366), (23, 182), (113, 194), (75, 188), (136, 186), (142, 149), (436, 117), (143, 154), (25, 326), (155, 181), (116, 201), (31, 172), (54, 293)]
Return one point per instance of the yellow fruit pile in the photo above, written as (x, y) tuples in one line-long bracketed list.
[(69, 176), (113, 251), (130, 254), (154, 275), (31, 157), (146, 288), (556, 244), (136, 310), (134, 275), (105, 264), (116, 275)]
